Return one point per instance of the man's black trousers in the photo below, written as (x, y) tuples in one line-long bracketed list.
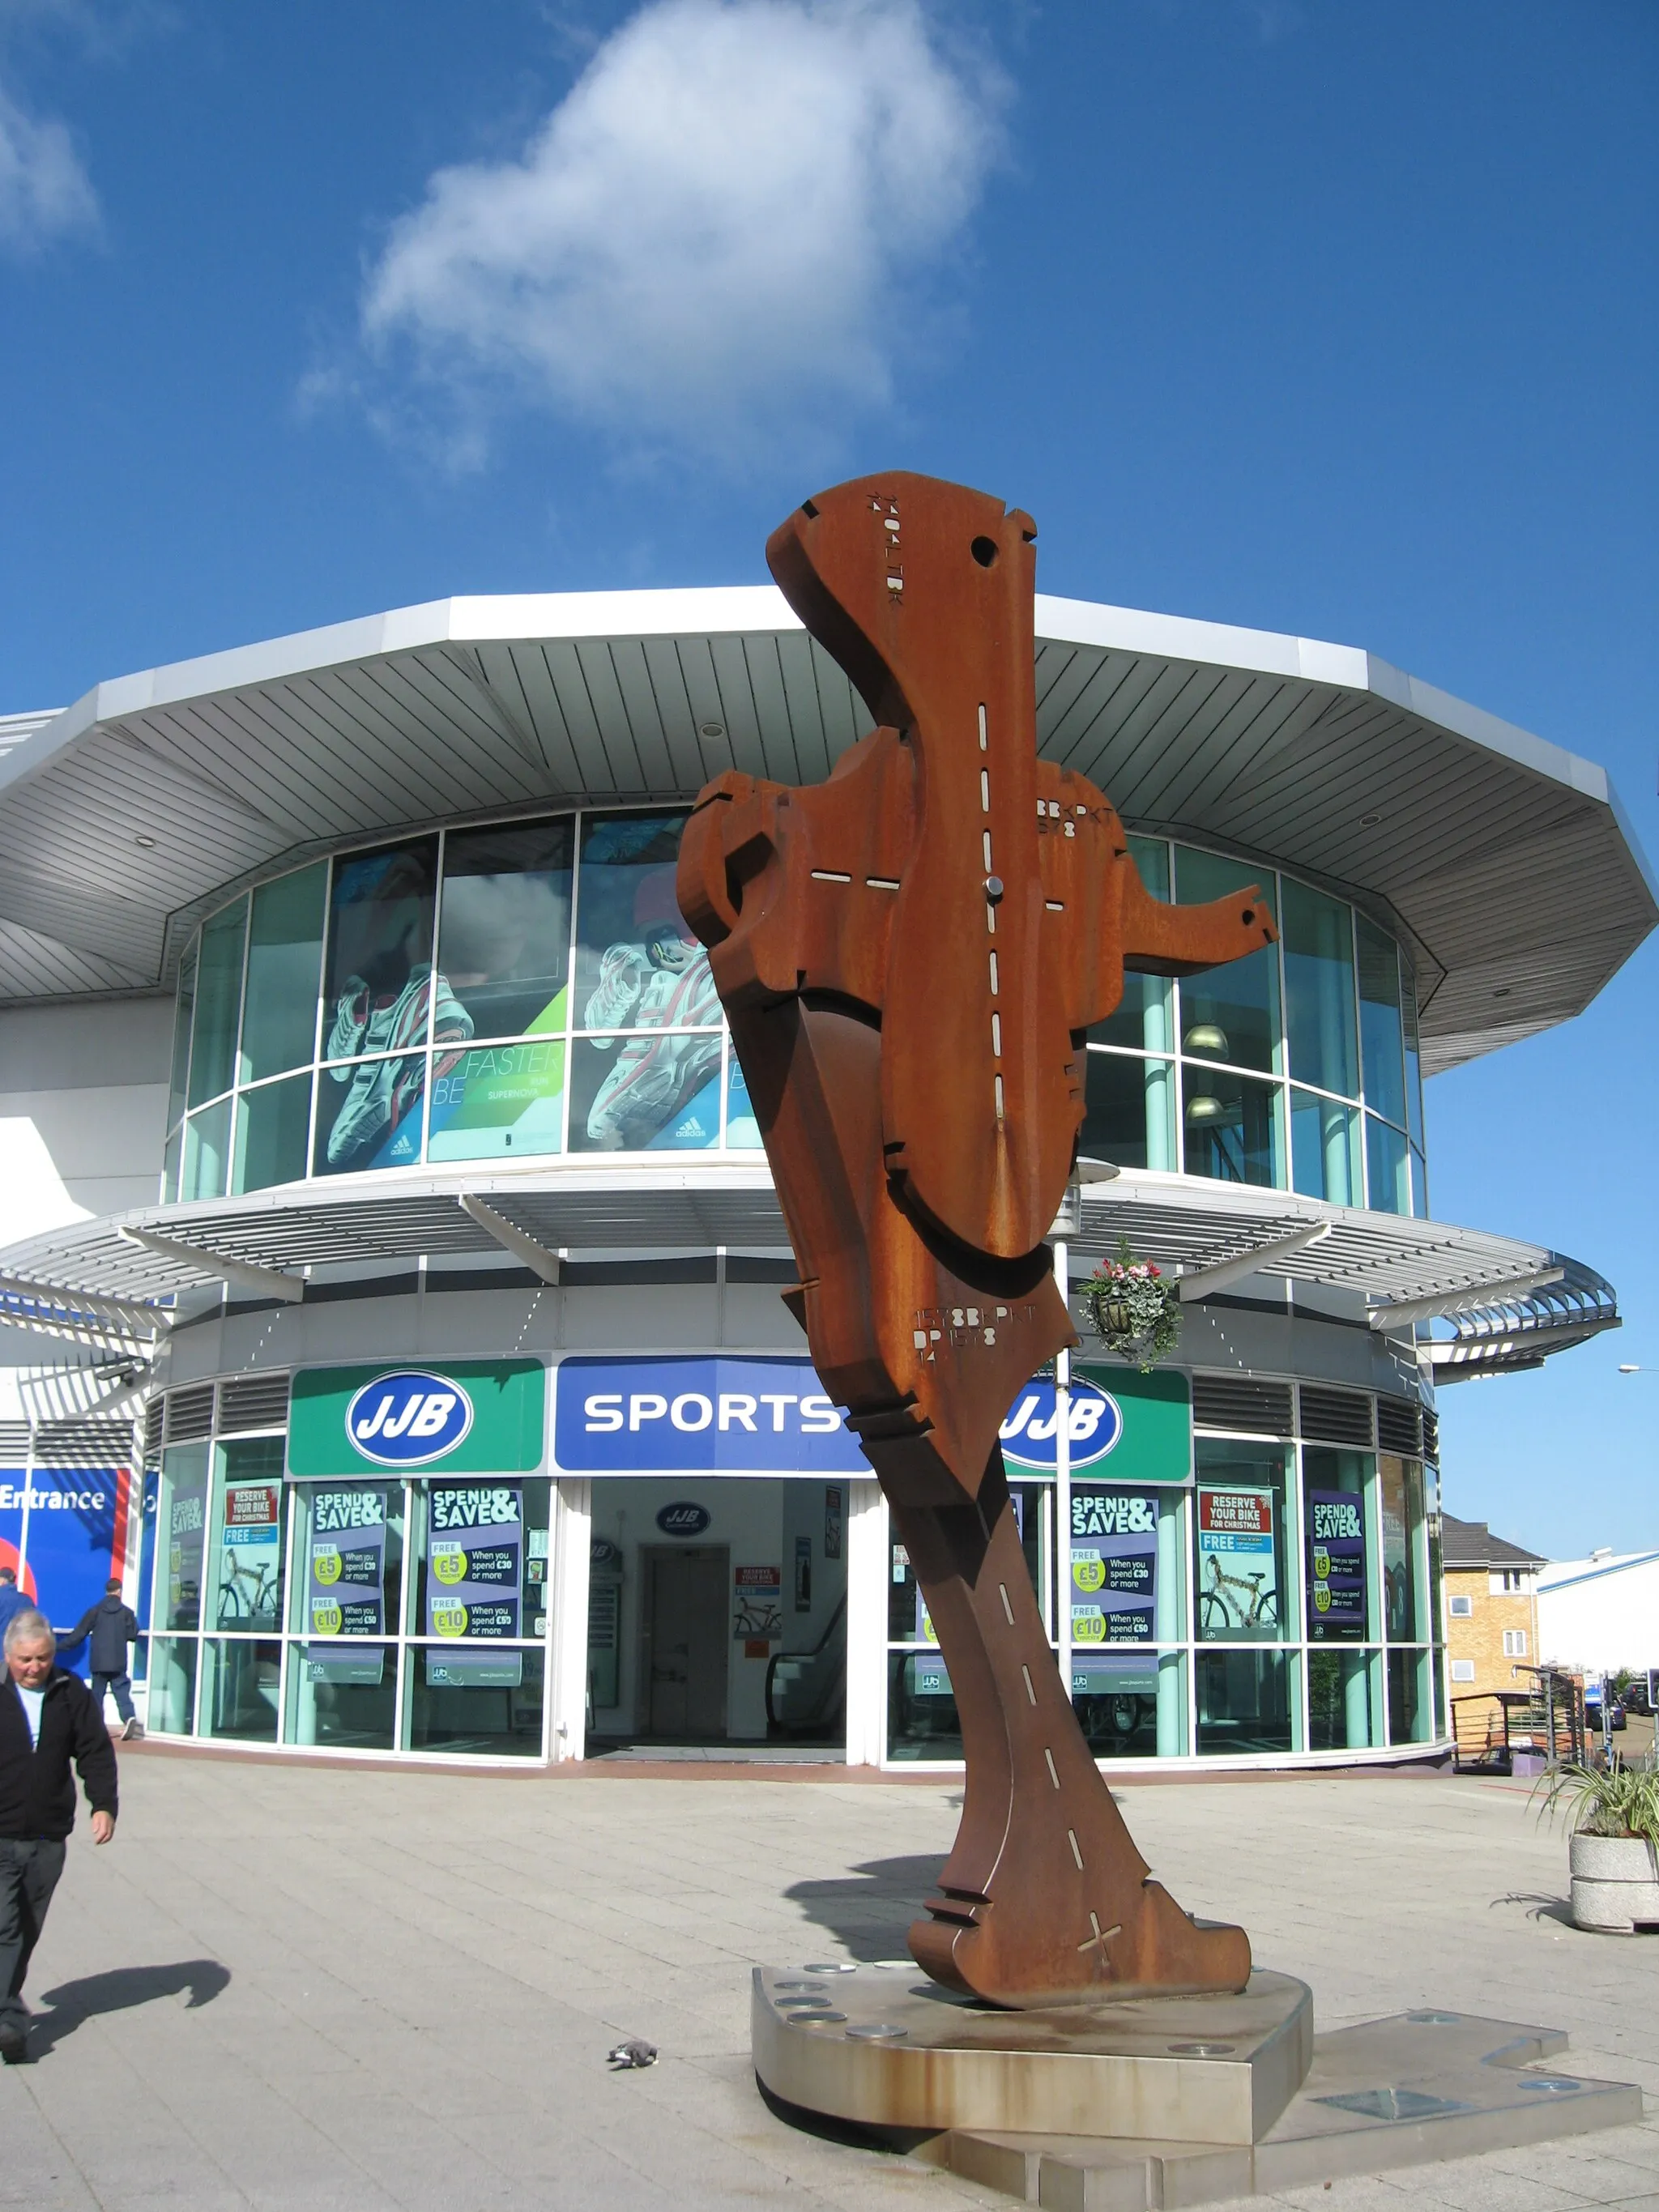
[(29, 1875)]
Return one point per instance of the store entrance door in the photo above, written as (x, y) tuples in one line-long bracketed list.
[(686, 1633)]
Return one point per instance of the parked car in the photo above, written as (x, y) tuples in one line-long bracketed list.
[(1593, 1712)]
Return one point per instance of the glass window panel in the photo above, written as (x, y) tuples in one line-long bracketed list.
[(369, 1114), (1345, 1703), (1128, 1111), (171, 1159), (1319, 1000), (1243, 1701), (172, 1685), (1419, 1186), (1388, 1168), (284, 962), (181, 1028), (207, 1149), (182, 1515), (249, 1528), (218, 1002), (649, 1092), (348, 1565), (488, 1704), (921, 1709), (742, 1129), (379, 954), (1238, 1543), (1381, 1039), (499, 1583), (504, 930), (1228, 1013), (1337, 1505), (347, 1699), (503, 1101), (1325, 1149), (1405, 1611), (1414, 1058), (241, 1684), (638, 966), (1410, 1706), (273, 1127), (1131, 1704), (1233, 1127)]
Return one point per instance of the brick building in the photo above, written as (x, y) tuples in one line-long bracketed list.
[(1492, 1609)]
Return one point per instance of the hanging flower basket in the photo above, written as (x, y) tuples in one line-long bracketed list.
[(1135, 1307)]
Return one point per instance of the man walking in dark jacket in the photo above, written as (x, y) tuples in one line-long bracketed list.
[(47, 1719), (113, 1627)]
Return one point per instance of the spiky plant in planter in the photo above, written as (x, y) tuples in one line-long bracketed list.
[(1134, 1309), (1612, 1851)]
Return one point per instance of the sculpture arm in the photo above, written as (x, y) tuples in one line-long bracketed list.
[(1160, 940)]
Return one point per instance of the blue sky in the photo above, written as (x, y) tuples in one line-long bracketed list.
[(1331, 316)]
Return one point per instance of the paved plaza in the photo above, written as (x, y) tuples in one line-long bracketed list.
[(285, 1986)]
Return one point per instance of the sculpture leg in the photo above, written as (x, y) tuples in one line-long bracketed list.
[(1044, 1897)]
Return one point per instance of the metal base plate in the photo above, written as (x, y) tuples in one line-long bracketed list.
[(1393, 2093), (882, 2046)]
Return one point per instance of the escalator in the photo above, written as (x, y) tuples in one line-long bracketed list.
[(806, 1690)]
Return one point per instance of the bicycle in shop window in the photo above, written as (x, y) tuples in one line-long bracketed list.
[(1236, 1601), (247, 1594)]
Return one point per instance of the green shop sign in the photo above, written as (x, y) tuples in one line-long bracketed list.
[(1125, 1425), (464, 1417)]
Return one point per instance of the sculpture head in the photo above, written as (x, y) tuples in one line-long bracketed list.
[(869, 568)]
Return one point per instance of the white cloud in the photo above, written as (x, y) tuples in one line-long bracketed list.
[(704, 242), (45, 193)]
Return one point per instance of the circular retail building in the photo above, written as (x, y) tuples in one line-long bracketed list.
[(400, 1314)]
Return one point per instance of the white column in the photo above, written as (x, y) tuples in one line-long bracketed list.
[(567, 1688), (1063, 1478), (869, 1566)]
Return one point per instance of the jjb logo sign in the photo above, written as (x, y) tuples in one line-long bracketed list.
[(1029, 1433), (468, 1417), (408, 1418)]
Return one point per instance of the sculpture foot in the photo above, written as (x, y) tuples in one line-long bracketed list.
[(1044, 1898)]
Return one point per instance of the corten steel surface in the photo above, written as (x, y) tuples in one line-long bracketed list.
[(909, 954)]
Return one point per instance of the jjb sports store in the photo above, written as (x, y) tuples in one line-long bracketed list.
[(585, 1555)]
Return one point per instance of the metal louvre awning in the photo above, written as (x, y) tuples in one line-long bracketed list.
[(94, 1273)]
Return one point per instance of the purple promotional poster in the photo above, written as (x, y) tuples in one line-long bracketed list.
[(1336, 1566), (1113, 1593)]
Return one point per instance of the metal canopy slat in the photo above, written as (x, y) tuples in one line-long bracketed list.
[(566, 674), (625, 765)]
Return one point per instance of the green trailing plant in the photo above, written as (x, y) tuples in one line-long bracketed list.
[(1618, 1800), (1134, 1309)]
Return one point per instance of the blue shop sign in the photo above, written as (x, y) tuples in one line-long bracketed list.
[(702, 1416)]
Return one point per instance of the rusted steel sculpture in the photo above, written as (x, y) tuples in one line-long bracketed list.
[(910, 953)]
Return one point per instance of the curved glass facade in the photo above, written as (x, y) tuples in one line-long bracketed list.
[(528, 988)]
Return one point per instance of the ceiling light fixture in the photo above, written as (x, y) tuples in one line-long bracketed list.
[(711, 729), (1370, 821), (139, 839)]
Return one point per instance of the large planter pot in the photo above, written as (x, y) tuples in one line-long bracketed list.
[(1615, 1883)]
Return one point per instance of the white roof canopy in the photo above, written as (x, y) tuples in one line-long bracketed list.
[(1504, 859)]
